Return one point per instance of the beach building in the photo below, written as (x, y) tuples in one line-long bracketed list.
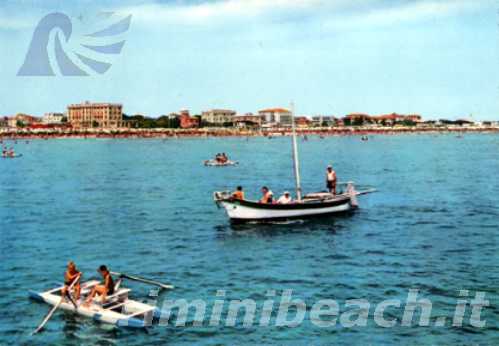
[(52, 118), (21, 120), (4, 121), (103, 115), (356, 119), (324, 120), (393, 118), (186, 121), (302, 122), (218, 116), (275, 117), (248, 120)]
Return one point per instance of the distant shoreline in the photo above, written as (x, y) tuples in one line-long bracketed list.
[(27, 133)]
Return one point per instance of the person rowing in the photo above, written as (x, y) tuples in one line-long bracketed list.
[(105, 289), (267, 196), (72, 275), (331, 180)]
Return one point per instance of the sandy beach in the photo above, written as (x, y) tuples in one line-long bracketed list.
[(27, 133)]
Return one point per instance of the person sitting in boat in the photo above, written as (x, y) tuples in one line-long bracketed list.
[(218, 157), (224, 158), (105, 289), (268, 196), (11, 153), (70, 276), (331, 180), (239, 193), (285, 198)]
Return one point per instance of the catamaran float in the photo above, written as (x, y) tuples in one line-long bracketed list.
[(311, 205)]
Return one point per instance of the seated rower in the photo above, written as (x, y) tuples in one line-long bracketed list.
[(267, 197), (70, 276), (239, 193), (285, 198), (105, 289)]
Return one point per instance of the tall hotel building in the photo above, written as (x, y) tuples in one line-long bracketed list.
[(103, 115)]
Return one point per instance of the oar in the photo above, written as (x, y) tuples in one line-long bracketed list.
[(51, 312), (144, 280)]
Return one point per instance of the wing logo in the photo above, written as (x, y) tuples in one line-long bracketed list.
[(60, 47)]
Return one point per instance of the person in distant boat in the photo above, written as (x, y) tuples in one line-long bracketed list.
[(218, 157), (267, 196), (224, 158), (331, 180), (285, 198), (239, 193), (105, 289), (71, 275)]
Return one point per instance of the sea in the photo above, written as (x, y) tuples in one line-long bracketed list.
[(145, 207)]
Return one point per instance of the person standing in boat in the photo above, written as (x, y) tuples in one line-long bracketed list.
[(268, 196), (70, 276), (239, 193), (331, 180), (105, 289)]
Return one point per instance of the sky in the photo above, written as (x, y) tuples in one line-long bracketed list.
[(437, 58)]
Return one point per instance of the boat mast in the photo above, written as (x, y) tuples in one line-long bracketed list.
[(296, 164)]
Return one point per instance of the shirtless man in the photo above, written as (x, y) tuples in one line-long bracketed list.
[(267, 196), (239, 193), (331, 180), (105, 289), (70, 276)]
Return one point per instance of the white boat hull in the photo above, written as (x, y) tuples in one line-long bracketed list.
[(246, 211), (128, 314), (215, 163)]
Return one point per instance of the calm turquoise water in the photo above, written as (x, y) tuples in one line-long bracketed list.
[(145, 207)]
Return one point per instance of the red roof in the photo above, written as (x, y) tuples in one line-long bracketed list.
[(275, 110)]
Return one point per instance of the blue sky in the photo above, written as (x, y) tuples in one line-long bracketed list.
[(438, 58)]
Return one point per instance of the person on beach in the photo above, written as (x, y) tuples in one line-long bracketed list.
[(105, 289), (285, 198), (70, 276), (331, 180), (267, 196), (239, 193)]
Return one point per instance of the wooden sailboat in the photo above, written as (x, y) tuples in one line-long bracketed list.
[(309, 206)]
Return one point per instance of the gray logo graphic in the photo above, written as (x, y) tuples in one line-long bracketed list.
[(72, 59)]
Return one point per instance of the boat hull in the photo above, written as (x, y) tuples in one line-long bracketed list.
[(247, 211), (214, 163), (100, 314)]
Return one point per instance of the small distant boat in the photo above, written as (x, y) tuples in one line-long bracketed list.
[(118, 309), (15, 156), (215, 163)]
